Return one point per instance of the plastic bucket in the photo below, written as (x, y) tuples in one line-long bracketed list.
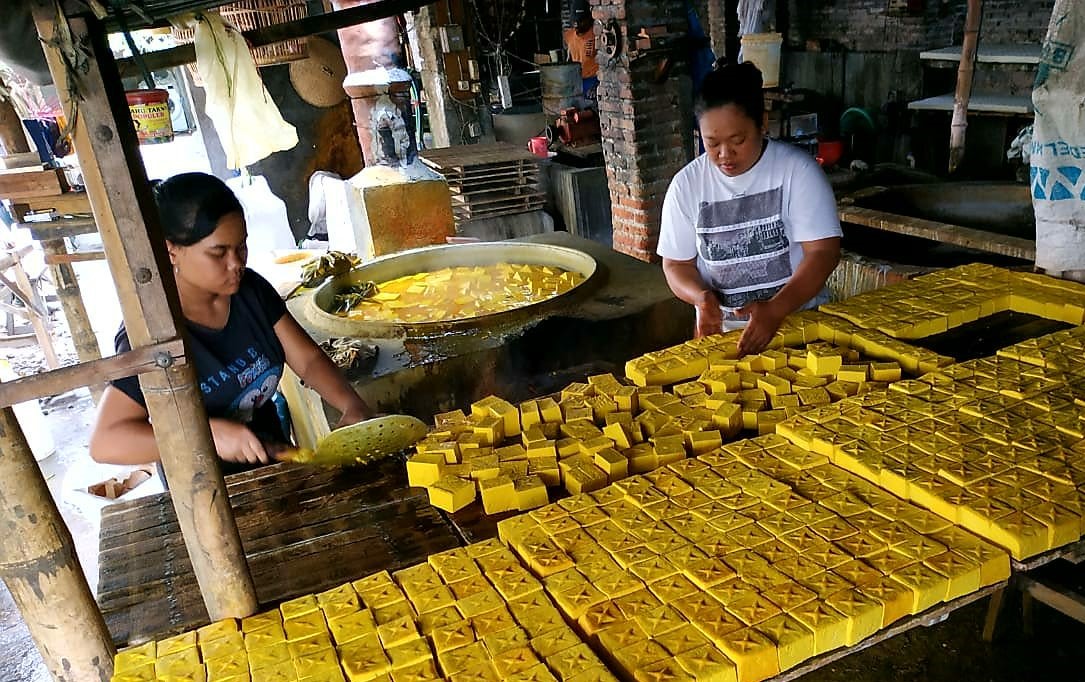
[(151, 114), (763, 49)]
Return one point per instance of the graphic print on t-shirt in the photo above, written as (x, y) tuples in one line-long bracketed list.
[(252, 372), (744, 247)]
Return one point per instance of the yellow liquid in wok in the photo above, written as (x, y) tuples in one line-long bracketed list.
[(462, 292)]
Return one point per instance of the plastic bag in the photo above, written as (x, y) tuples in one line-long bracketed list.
[(1057, 152), (249, 124)]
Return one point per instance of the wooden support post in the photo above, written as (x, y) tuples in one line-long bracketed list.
[(39, 566), (963, 93), (67, 287), (12, 136), (127, 220)]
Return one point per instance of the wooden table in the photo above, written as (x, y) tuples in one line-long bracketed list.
[(303, 530)]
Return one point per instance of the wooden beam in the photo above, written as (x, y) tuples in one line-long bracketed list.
[(12, 135), (62, 258), (39, 566), (94, 372), (105, 140), (1066, 602), (300, 28), (1015, 247)]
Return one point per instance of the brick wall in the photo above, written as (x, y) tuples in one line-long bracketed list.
[(866, 26), (646, 122)]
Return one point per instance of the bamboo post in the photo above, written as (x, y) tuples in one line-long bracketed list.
[(963, 94), (105, 140), (39, 566), (71, 301)]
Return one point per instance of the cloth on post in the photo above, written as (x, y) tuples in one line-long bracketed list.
[(1057, 152), (249, 124)]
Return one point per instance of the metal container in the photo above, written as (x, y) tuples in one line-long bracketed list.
[(562, 86), (437, 257)]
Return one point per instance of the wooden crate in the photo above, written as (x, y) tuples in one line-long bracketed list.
[(27, 183), (488, 180)]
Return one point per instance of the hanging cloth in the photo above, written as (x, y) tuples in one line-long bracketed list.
[(248, 123), (1058, 143)]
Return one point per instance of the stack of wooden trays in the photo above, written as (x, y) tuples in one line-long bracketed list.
[(488, 180)]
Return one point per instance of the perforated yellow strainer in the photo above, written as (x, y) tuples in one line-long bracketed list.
[(360, 443)]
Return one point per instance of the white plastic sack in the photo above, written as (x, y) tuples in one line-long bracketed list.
[(1058, 143), (246, 118)]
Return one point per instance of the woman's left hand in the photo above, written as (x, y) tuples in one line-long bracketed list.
[(765, 318)]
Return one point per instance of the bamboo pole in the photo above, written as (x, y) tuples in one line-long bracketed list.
[(959, 125), (71, 301), (39, 566), (105, 140)]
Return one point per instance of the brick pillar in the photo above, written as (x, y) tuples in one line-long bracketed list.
[(647, 121)]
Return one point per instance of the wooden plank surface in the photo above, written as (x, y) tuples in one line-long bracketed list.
[(979, 104), (463, 156), (24, 183), (303, 530), (1015, 247), (989, 54)]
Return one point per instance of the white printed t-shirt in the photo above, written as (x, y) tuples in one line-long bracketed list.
[(746, 231)]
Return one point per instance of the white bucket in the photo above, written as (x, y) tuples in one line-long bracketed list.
[(763, 49)]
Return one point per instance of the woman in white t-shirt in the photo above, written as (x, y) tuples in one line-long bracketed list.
[(750, 230)]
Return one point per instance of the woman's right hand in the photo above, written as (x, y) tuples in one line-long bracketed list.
[(235, 442)]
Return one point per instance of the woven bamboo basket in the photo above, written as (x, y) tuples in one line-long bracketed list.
[(247, 15)]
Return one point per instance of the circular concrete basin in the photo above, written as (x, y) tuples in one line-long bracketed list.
[(320, 304)]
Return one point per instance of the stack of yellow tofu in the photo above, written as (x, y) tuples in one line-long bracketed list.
[(994, 445), (942, 300), (604, 430), (472, 614), (721, 568)]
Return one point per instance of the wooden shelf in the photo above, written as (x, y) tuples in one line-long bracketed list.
[(988, 54), (1006, 105)]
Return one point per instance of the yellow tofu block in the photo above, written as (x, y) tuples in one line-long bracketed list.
[(700, 442), (143, 673), (896, 599), (515, 661), (477, 672), (685, 638), (490, 429), (824, 363), (348, 628), (885, 371), (813, 397), (452, 493), (963, 575), (304, 626), (928, 587), (549, 410), (397, 631), (271, 656), (453, 661), (708, 663), (216, 630), (509, 415), (635, 656), (593, 445), (134, 657), (530, 492), (753, 653), (830, 627), (619, 435), (626, 399), (177, 643), (409, 653), (261, 621), (852, 373), (231, 642), (309, 645), (1019, 533), (508, 638), (749, 419), (794, 641), (596, 673), (178, 664), (452, 636), (363, 663), (865, 615), (323, 665), (584, 479), (729, 419), (774, 385), (613, 463), (282, 672), (536, 673), (546, 468), (420, 672), (529, 414), (482, 467)]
